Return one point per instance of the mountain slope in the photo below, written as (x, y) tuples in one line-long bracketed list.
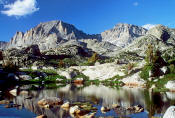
[(123, 34), (160, 37), (48, 35)]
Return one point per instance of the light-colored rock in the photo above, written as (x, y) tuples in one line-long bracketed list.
[(13, 92), (4, 102), (170, 112), (69, 74), (104, 109), (51, 101), (161, 76), (153, 86), (65, 105), (170, 85), (34, 68), (156, 80), (151, 74), (164, 69), (25, 77), (97, 63), (115, 106), (134, 80), (74, 109), (24, 92), (101, 72)]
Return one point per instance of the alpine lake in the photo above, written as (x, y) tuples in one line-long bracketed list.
[(27, 97)]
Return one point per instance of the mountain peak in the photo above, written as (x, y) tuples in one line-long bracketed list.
[(123, 34), (48, 35)]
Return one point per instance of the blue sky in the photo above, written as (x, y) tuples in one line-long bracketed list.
[(91, 16)]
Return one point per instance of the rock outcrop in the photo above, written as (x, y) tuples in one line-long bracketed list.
[(101, 72)]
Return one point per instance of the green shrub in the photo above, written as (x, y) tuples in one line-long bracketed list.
[(145, 72), (172, 68), (93, 59)]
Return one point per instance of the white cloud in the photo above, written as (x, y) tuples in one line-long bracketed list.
[(20, 8), (135, 3), (148, 26)]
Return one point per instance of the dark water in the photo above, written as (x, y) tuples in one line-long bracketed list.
[(155, 104)]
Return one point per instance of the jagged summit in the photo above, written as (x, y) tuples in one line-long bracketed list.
[(48, 35), (123, 34)]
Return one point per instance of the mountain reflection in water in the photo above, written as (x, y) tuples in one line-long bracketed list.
[(153, 103)]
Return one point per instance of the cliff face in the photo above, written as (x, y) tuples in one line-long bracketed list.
[(52, 34), (123, 34), (48, 35)]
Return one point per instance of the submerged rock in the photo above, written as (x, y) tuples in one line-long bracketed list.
[(65, 105), (4, 102), (74, 109), (50, 101), (104, 109), (170, 113)]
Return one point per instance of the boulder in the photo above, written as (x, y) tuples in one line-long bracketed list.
[(79, 81), (134, 80), (104, 109), (13, 92), (69, 74), (4, 102), (170, 85), (25, 77), (164, 69), (170, 112), (65, 105), (34, 68), (50, 101), (74, 109)]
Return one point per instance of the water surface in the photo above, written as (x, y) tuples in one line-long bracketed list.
[(155, 104)]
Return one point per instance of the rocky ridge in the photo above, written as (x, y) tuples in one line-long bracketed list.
[(48, 35), (123, 34), (53, 34)]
